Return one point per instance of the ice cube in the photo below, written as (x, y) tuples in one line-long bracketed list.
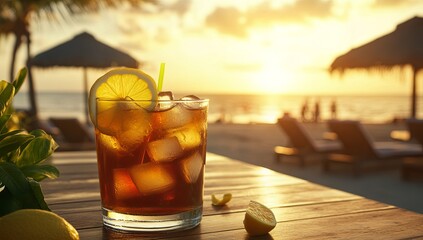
[(192, 167), (121, 117), (190, 97), (105, 119), (151, 178), (124, 187), (189, 137), (165, 95), (109, 142), (176, 117), (164, 150), (134, 129), (165, 101), (110, 146), (132, 138), (190, 103)]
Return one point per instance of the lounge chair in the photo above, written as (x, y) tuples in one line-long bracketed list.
[(302, 145), (415, 127), (413, 132), (359, 149), (413, 167), (73, 135)]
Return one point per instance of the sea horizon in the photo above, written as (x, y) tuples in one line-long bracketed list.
[(250, 108), (179, 93)]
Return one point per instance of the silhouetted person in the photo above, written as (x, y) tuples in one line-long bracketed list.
[(304, 111), (316, 113), (333, 109)]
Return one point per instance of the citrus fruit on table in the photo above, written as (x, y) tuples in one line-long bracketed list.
[(33, 224), (121, 84), (259, 219), (220, 202)]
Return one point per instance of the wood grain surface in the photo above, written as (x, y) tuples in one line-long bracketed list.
[(303, 210)]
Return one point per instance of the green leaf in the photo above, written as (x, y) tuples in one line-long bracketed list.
[(38, 196), (13, 142), (3, 121), (20, 154), (14, 132), (7, 91), (13, 178), (38, 133), (40, 172), (13, 156), (19, 80), (8, 203), (37, 150), (20, 192)]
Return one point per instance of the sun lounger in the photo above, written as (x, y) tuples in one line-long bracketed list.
[(301, 143), (415, 127), (414, 131), (413, 167), (359, 149), (73, 135)]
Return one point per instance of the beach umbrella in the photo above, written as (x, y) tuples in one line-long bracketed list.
[(401, 48), (83, 51)]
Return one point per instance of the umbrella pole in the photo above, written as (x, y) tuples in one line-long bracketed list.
[(87, 121), (33, 102), (414, 93)]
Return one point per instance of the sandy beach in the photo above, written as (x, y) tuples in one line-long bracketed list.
[(254, 143)]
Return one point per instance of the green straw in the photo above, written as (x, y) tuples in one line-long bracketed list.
[(161, 75)]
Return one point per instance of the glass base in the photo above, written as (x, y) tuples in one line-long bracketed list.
[(141, 223)]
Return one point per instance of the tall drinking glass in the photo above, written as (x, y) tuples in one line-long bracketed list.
[(151, 157)]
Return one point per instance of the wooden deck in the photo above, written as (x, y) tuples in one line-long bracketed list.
[(303, 210)]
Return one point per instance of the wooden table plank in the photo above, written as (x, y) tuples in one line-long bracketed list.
[(303, 209), (376, 224)]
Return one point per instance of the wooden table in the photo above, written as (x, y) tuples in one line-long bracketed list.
[(303, 210)]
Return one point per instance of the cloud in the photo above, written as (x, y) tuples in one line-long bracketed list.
[(181, 7), (232, 21), (228, 21), (393, 3)]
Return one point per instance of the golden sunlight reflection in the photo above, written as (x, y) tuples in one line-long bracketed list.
[(269, 116), (272, 78), (268, 184), (266, 177)]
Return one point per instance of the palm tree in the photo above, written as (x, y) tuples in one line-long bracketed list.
[(16, 16)]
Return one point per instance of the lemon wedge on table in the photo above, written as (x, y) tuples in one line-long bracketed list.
[(259, 219), (121, 84), (220, 202)]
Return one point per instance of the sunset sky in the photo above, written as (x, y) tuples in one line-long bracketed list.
[(239, 46)]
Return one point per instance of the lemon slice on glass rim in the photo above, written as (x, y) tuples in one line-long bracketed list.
[(123, 84)]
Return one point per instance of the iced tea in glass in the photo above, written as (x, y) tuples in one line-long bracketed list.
[(151, 162)]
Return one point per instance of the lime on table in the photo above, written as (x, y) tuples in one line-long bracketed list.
[(259, 219), (121, 84), (28, 224)]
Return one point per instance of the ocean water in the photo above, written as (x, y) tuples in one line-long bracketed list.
[(246, 109)]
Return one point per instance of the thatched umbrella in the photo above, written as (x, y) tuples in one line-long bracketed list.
[(83, 51), (402, 47)]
